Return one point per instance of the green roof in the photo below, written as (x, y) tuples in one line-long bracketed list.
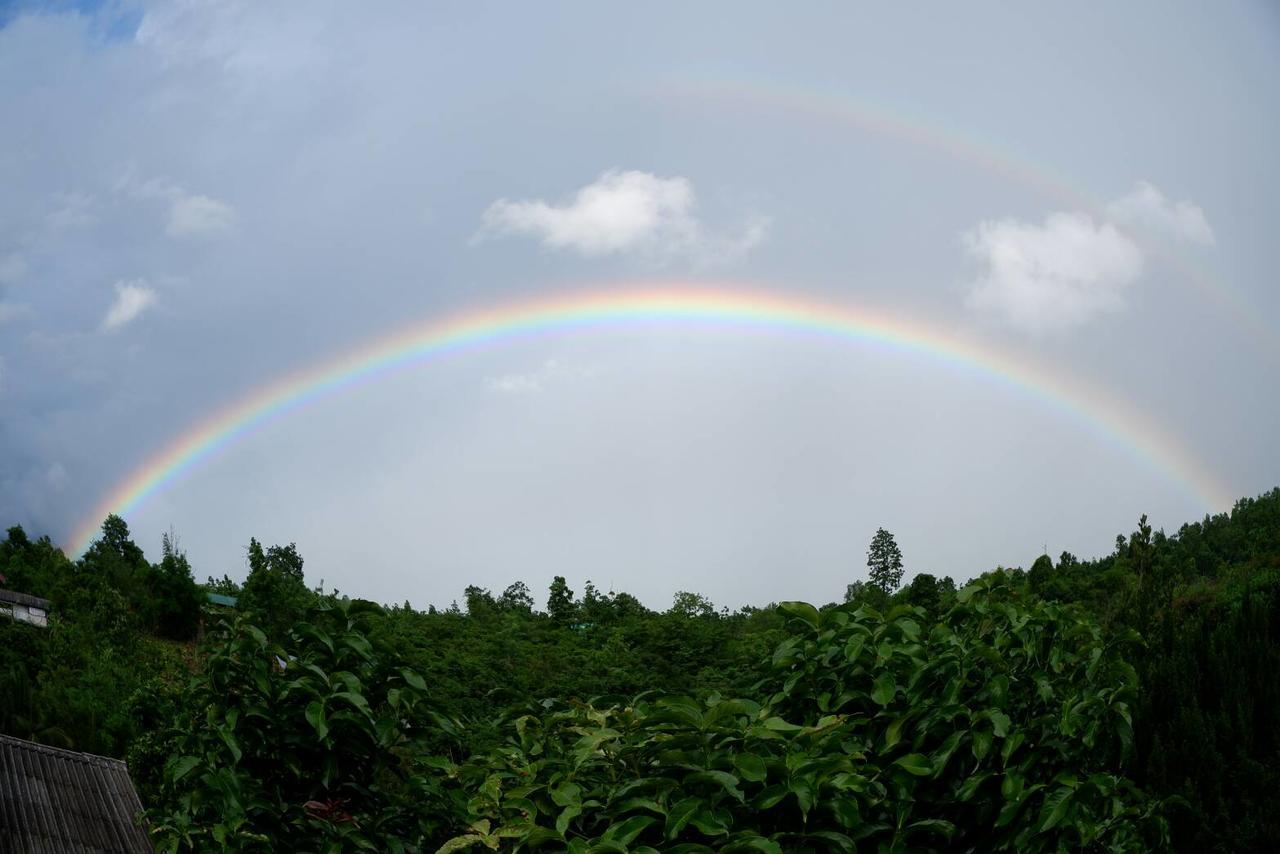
[(221, 599)]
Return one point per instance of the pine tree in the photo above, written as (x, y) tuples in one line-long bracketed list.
[(884, 560)]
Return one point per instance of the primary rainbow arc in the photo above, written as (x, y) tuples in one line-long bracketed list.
[(1114, 419)]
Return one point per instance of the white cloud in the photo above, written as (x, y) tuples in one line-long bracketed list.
[(622, 212), (194, 216), (552, 370), (132, 298), (1046, 278), (1147, 207)]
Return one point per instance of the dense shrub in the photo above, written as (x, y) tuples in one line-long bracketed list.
[(998, 727), (317, 743)]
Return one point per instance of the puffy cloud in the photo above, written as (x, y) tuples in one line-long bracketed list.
[(1070, 270), (195, 216), (132, 298), (1046, 278), (1146, 207), (622, 212)]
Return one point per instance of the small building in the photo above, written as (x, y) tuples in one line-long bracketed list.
[(59, 800), (24, 608), (221, 600)]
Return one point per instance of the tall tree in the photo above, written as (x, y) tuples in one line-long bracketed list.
[(516, 598), (884, 560), (560, 601), (275, 591), (175, 599)]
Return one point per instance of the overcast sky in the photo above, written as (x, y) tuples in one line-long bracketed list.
[(199, 198)]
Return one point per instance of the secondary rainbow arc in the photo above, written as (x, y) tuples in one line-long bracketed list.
[(665, 303), (892, 122)]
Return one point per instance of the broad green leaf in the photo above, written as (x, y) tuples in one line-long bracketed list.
[(230, 741), (315, 717), (943, 754), (413, 679), (628, 830), (915, 763), (846, 811), (893, 733), (706, 820), (803, 790), (933, 825), (460, 843), (853, 649), (884, 689), (723, 778), (777, 724), (679, 815), (750, 767), (770, 797), (802, 611), (566, 816), (1055, 808), (566, 794), (970, 787), (981, 743), (181, 767), (835, 841)]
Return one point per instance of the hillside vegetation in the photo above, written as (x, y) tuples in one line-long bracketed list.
[(1130, 702)]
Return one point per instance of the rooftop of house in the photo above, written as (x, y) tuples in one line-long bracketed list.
[(60, 800), (13, 597)]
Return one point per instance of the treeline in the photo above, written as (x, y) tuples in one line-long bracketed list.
[(588, 720)]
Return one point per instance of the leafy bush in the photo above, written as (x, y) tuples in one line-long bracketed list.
[(991, 729), (318, 742)]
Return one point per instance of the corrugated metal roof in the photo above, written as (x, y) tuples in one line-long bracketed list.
[(221, 599), (24, 599), (54, 800)]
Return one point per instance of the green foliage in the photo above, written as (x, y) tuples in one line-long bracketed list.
[(927, 592), (317, 736), (920, 719), (1207, 598), (998, 727), (71, 684)]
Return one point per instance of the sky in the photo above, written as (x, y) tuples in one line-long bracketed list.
[(1047, 237)]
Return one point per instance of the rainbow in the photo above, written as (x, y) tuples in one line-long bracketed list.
[(640, 305), (882, 120)]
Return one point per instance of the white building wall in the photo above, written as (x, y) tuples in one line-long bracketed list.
[(25, 614)]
